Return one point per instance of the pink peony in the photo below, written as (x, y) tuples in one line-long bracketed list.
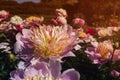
[(79, 21), (115, 73), (3, 15), (60, 20), (100, 52), (46, 41), (51, 41), (44, 71)]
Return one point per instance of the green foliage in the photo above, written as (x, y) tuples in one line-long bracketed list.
[(7, 60)]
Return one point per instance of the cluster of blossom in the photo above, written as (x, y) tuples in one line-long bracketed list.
[(103, 32), (41, 47)]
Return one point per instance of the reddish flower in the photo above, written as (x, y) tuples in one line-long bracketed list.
[(79, 21), (90, 31)]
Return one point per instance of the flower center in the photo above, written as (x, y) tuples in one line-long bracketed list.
[(50, 41)]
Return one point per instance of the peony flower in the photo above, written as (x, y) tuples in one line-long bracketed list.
[(61, 12), (32, 21), (46, 41), (104, 48), (6, 26), (79, 21), (100, 52), (60, 21), (16, 20), (116, 55), (90, 31), (105, 32), (45, 71), (51, 41), (3, 15), (115, 73)]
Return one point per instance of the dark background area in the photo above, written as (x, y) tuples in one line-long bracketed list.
[(93, 11)]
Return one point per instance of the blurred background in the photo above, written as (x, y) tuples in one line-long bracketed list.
[(95, 12)]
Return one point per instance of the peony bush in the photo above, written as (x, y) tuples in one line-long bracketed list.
[(32, 50)]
